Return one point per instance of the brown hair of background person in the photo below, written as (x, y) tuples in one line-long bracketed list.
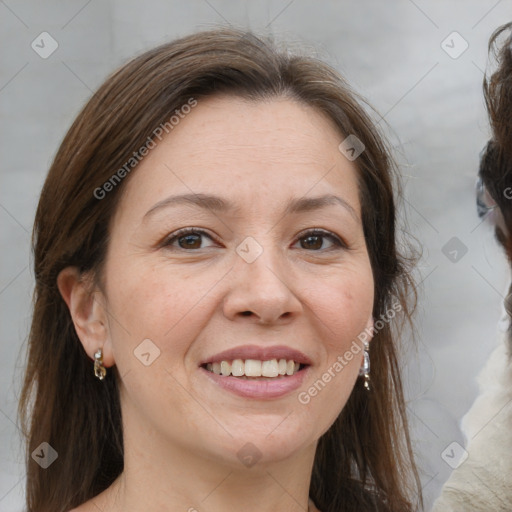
[(482, 482), (496, 162), (495, 170), (364, 461)]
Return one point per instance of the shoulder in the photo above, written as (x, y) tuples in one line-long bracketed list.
[(88, 506), (495, 389)]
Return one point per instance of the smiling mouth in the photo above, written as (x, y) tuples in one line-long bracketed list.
[(253, 369)]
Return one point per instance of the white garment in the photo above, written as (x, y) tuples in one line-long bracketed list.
[(483, 483)]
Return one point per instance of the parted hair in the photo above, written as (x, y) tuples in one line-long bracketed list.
[(364, 462)]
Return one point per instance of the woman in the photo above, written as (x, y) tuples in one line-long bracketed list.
[(217, 233), (483, 481)]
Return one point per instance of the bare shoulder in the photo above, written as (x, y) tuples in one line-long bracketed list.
[(102, 501), (81, 508), (88, 506)]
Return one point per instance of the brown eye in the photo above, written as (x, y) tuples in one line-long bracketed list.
[(314, 239), (312, 242), (192, 241), (188, 238)]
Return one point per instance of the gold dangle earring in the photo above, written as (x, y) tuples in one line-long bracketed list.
[(99, 370)]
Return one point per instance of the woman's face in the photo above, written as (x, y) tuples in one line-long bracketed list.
[(249, 282)]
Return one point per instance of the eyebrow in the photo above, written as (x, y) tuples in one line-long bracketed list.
[(218, 204)]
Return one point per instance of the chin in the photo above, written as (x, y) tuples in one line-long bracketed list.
[(263, 439)]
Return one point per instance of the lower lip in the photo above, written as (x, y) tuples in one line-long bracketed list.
[(259, 389)]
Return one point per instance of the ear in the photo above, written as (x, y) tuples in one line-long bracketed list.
[(87, 307)]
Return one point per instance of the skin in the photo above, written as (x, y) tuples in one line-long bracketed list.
[(181, 431)]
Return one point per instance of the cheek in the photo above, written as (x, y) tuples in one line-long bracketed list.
[(342, 309), (155, 315), (343, 305), (149, 303)]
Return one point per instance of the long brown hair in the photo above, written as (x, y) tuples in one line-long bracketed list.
[(365, 461)]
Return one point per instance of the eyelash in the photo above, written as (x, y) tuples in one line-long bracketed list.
[(312, 232)]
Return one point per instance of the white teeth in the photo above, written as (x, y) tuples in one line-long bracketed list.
[(238, 368), (270, 368), (254, 368), (225, 368)]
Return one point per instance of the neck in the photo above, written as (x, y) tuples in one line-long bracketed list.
[(161, 476)]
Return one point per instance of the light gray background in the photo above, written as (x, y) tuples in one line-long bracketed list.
[(391, 53)]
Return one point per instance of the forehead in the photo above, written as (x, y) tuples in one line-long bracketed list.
[(240, 149)]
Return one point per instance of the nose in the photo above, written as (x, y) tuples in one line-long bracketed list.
[(262, 291)]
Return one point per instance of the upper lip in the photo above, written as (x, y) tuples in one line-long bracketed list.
[(259, 353)]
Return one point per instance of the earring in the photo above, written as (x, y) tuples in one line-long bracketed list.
[(364, 371), (99, 370)]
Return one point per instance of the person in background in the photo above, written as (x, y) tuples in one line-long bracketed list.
[(483, 482)]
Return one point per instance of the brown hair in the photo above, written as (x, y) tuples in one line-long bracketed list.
[(364, 461), (496, 161)]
